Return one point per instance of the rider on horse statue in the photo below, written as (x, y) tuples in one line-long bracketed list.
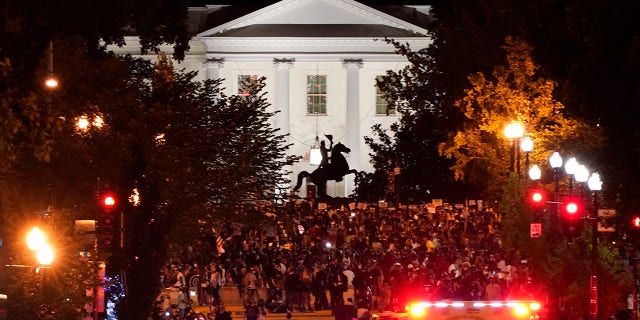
[(334, 169), (324, 152)]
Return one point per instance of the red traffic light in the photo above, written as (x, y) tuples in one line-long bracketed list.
[(572, 217), (537, 197), (108, 201), (635, 222), (572, 208)]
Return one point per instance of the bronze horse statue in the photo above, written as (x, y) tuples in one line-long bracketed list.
[(335, 170)]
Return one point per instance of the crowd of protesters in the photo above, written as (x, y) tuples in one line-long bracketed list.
[(440, 251)]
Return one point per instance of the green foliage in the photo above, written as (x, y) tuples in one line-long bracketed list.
[(411, 142), (514, 93), (28, 26), (55, 292), (25, 125), (198, 159)]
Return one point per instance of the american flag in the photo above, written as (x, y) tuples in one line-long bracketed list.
[(220, 244)]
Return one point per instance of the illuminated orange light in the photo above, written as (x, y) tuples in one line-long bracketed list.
[(417, 310), (534, 306), (520, 310), (51, 83)]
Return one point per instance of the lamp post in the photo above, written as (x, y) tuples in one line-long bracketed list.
[(595, 185), (555, 161), (527, 146), (570, 168), (514, 132)]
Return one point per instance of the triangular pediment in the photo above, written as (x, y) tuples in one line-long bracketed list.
[(315, 12)]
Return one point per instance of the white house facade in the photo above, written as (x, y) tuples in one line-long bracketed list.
[(320, 59)]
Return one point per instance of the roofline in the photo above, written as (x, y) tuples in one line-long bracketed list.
[(391, 20)]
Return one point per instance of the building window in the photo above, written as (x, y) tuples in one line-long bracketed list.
[(317, 94), (245, 82), (381, 102)]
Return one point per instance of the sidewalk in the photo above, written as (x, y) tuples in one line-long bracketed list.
[(233, 303)]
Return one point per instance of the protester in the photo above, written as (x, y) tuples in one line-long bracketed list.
[(437, 252)]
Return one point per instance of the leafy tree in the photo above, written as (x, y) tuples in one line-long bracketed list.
[(415, 94), (29, 26), (515, 93), (50, 292), (197, 157)]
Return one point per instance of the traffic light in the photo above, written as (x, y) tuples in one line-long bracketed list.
[(537, 198), (634, 229), (391, 182), (635, 223), (107, 221), (572, 216)]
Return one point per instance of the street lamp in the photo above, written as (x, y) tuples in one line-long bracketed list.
[(36, 241), (555, 161), (45, 255), (581, 174), (535, 173), (514, 131), (595, 185), (84, 123), (315, 156), (570, 168), (50, 82)]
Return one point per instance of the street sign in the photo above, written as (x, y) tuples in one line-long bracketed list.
[(606, 220), (535, 230)]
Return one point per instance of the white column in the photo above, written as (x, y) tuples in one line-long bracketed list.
[(212, 68), (282, 93), (283, 67), (353, 137)]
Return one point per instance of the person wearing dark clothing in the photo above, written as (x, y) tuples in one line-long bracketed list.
[(337, 286), (346, 311), (222, 313), (292, 286), (319, 290), (251, 310)]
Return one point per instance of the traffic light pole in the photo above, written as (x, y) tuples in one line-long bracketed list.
[(593, 302), (96, 283)]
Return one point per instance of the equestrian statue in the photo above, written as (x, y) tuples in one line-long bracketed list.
[(331, 168)]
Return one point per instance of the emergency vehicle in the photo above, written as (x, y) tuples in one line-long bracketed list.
[(466, 310)]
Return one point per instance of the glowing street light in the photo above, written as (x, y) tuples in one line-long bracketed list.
[(51, 83), (535, 173), (581, 174), (45, 255), (84, 123), (35, 239), (514, 131), (570, 168), (527, 146)]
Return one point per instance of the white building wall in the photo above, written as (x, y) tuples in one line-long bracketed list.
[(302, 127)]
